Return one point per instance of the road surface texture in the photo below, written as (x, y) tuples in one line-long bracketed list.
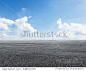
[(71, 53)]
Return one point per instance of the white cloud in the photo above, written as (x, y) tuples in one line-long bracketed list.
[(6, 21), (23, 8), (4, 35), (29, 16), (72, 27), (4, 26), (22, 25), (74, 30)]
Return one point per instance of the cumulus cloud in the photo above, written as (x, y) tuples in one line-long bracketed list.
[(6, 21), (20, 23), (4, 35), (4, 26), (74, 28), (23, 25)]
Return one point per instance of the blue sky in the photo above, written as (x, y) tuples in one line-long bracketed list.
[(44, 14)]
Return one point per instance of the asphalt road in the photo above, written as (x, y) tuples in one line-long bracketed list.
[(43, 53)]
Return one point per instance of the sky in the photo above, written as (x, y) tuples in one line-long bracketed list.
[(17, 16)]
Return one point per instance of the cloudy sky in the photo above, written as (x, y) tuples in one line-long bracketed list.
[(17, 16)]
